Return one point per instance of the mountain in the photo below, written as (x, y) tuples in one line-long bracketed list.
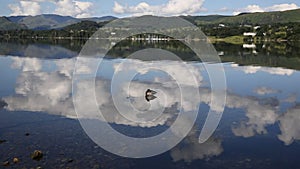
[(51, 21), (263, 18), (83, 25), (100, 19), (45, 21), (249, 18), (203, 19), (6, 24), (16, 18)]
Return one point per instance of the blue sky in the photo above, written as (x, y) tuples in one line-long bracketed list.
[(120, 8)]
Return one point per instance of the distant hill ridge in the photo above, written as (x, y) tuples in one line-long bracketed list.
[(6, 24), (52, 21), (45, 21), (248, 18)]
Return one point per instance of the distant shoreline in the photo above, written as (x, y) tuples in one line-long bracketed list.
[(238, 40)]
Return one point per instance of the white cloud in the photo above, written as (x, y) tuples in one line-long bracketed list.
[(73, 8), (182, 71), (37, 90), (193, 150), (50, 92), (224, 9), (247, 69), (265, 90), (119, 9), (259, 115), (66, 66), (25, 8), (16, 9), (279, 71), (42, 92), (282, 7), (26, 64), (78, 9), (249, 8), (172, 7), (257, 8), (271, 70), (292, 98), (243, 130), (290, 126)]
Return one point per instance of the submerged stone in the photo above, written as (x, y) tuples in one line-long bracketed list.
[(16, 160), (6, 163), (37, 155), (2, 141)]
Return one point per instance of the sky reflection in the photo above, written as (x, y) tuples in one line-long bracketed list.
[(44, 88)]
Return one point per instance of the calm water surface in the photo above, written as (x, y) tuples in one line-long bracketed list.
[(259, 129)]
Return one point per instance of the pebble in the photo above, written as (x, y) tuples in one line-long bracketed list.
[(67, 160), (2, 141), (96, 166), (6, 163), (16, 160), (37, 155)]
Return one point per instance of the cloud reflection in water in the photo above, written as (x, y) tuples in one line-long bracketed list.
[(49, 90)]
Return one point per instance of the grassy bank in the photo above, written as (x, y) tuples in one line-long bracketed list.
[(230, 39)]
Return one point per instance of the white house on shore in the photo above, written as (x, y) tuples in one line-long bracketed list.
[(249, 34), (249, 46)]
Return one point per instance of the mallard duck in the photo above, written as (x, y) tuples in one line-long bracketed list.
[(149, 95)]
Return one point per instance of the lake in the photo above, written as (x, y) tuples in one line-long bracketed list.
[(259, 127)]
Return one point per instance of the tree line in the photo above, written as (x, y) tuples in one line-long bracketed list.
[(85, 29)]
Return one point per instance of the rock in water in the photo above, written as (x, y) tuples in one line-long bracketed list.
[(6, 163), (2, 104), (37, 155), (16, 160), (2, 141)]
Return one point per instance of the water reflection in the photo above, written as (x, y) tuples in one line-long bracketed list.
[(272, 54), (289, 125), (42, 90), (38, 50), (190, 149), (265, 91), (274, 71), (262, 102)]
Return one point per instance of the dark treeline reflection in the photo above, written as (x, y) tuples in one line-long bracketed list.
[(275, 54), (41, 48), (127, 47), (271, 54)]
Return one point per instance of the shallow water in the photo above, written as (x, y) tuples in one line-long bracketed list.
[(259, 127)]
